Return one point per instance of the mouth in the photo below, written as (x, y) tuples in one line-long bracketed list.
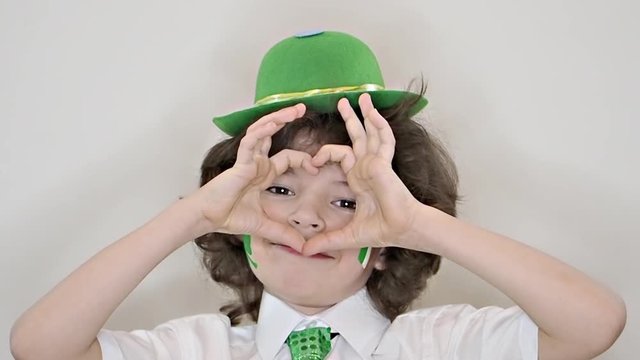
[(295, 252)]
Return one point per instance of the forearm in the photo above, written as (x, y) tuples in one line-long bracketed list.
[(570, 309), (65, 321)]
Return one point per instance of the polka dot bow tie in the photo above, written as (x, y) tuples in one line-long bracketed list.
[(310, 344)]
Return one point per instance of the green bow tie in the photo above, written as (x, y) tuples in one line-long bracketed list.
[(310, 344)]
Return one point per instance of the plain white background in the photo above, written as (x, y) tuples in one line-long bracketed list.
[(105, 111)]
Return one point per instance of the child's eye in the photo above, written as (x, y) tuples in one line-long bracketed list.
[(279, 190), (346, 204)]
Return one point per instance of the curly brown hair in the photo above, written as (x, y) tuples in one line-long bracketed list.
[(420, 161)]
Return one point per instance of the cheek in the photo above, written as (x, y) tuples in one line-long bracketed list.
[(354, 259), (349, 261)]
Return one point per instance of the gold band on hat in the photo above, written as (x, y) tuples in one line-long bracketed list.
[(286, 96)]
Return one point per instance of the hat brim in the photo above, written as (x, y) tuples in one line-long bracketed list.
[(233, 124)]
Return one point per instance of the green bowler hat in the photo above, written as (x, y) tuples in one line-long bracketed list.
[(316, 68)]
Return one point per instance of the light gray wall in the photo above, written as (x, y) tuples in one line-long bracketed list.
[(105, 111)]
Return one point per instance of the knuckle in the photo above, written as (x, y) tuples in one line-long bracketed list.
[(246, 140), (256, 124)]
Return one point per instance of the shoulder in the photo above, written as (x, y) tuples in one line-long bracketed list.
[(458, 315), (198, 322), (460, 311), (188, 326), (194, 326), (184, 337), (463, 328)]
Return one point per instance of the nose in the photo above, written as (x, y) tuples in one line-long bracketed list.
[(306, 220)]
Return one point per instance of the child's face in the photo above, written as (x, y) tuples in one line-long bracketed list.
[(311, 204)]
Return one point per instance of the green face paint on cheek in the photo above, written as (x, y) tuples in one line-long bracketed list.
[(246, 241), (363, 256)]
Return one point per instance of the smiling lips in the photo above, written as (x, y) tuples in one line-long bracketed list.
[(295, 252)]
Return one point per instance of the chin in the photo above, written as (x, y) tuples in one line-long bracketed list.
[(309, 304), (307, 294), (311, 295), (310, 283)]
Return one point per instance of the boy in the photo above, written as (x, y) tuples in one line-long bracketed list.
[(317, 205)]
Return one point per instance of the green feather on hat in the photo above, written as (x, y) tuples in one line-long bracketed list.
[(318, 69)]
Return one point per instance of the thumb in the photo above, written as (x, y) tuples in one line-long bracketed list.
[(330, 241), (284, 234)]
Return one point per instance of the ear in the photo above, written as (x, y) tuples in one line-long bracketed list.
[(381, 263)]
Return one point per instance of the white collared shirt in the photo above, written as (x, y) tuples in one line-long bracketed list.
[(455, 332)]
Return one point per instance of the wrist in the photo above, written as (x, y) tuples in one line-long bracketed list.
[(426, 225), (184, 219)]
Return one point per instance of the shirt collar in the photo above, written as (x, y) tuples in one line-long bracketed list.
[(275, 321), (348, 317)]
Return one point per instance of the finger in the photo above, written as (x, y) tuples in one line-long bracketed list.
[(354, 127), (284, 234), (281, 116), (329, 241), (264, 171), (341, 154), (288, 158), (262, 146), (252, 142), (373, 138), (265, 146), (386, 141)]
